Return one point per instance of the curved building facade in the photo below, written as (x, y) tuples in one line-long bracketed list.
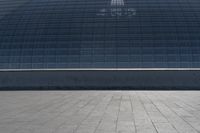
[(40, 34), (99, 34)]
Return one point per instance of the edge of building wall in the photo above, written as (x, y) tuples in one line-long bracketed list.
[(100, 79)]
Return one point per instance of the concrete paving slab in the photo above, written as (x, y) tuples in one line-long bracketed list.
[(100, 111)]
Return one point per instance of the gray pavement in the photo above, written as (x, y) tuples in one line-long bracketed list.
[(100, 112)]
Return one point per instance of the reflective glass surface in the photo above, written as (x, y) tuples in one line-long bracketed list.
[(37, 34)]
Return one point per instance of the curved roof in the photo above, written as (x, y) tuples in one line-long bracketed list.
[(37, 34)]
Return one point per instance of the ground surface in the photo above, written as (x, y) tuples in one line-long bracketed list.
[(100, 112)]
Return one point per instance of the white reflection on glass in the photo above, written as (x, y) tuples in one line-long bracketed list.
[(117, 8)]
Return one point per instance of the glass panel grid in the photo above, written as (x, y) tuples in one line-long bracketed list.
[(39, 34)]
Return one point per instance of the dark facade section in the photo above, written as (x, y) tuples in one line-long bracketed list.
[(105, 79), (99, 34)]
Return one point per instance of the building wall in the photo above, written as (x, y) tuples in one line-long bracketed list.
[(92, 79), (8, 6), (41, 34), (114, 34)]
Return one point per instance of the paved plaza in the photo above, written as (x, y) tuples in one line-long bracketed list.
[(100, 112)]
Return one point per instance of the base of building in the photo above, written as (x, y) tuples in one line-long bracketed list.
[(99, 80)]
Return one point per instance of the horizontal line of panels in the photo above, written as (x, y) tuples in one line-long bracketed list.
[(98, 65)]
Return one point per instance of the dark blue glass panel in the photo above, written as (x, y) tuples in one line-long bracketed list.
[(99, 34)]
